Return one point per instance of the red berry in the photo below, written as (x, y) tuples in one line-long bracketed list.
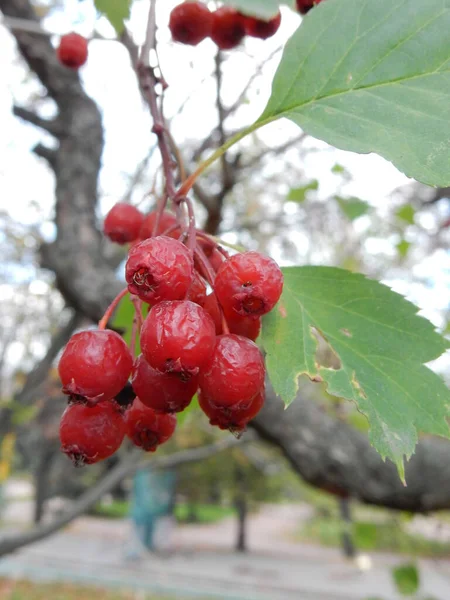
[(235, 373), (178, 337), (95, 365), (304, 6), (190, 23), (123, 223), (259, 28), (197, 291), (159, 268), (73, 50), (146, 428), (234, 418), (212, 308), (164, 392), (91, 433), (228, 28), (249, 284), (166, 221), (248, 327)]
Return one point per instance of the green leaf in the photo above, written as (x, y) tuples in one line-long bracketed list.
[(403, 248), (123, 321), (382, 345), (353, 207), (338, 169), (258, 8), (406, 578), (299, 194), (406, 213), (116, 11), (372, 77)]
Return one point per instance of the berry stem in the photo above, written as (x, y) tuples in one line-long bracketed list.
[(111, 308), (208, 271)]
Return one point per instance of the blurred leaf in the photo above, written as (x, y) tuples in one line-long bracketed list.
[(338, 169), (299, 194), (406, 213), (382, 345), (403, 247), (406, 578), (367, 83), (258, 8), (116, 11), (358, 421), (24, 414), (123, 321), (187, 413), (353, 207)]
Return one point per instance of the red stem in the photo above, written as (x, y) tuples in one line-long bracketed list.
[(111, 308)]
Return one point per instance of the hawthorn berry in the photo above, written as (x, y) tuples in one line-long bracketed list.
[(164, 392), (166, 221), (178, 337), (123, 223), (190, 23), (159, 268), (197, 291), (94, 366), (235, 372), (72, 50), (234, 418), (212, 308), (146, 428), (248, 327), (89, 434), (304, 6), (228, 28), (260, 28), (250, 284)]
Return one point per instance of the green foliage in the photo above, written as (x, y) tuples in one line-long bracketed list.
[(382, 346), (116, 11), (259, 8), (353, 207), (123, 321), (406, 213), (372, 77), (299, 194), (406, 578), (403, 248), (204, 513)]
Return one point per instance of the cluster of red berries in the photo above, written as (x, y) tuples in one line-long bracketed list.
[(192, 22), (191, 342)]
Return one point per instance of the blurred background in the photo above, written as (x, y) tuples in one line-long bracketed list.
[(271, 516)]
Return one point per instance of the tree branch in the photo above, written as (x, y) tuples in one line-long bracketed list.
[(53, 126), (127, 466)]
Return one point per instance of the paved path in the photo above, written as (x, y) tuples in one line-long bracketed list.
[(94, 551)]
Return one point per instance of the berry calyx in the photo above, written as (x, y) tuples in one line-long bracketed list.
[(94, 366), (72, 50), (235, 373), (146, 428), (190, 23), (159, 268), (178, 337), (166, 221), (250, 284), (260, 28), (163, 392), (123, 223), (234, 418), (89, 434), (228, 28)]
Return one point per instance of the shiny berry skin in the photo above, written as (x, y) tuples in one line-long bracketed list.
[(249, 284), (248, 327), (159, 268), (178, 337), (259, 28), (190, 23), (197, 291), (304, 6), (228, 28), (146, 428), (89, 434), (212, 308), (123, 223), (73, 50), (166, 221), (235, 373), (94, 366), (235, 418), (164, 392)]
